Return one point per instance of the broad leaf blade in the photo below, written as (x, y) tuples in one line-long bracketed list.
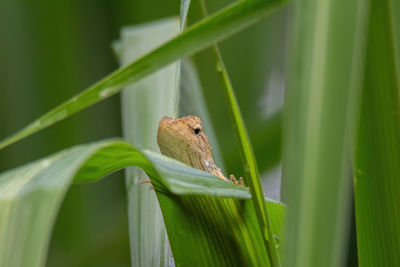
[(232, 236), (199, 181), (319, 107), (31, 195), (143, 104), (377, 151), (199, 36)]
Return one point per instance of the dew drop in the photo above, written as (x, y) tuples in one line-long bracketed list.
[(277, 241), (108, 91)]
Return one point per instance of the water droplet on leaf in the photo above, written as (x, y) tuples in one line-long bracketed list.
[(277, 241)]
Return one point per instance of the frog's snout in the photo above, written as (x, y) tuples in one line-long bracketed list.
[(166, 120)]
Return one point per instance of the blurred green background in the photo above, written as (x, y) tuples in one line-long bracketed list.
[(46, 43)]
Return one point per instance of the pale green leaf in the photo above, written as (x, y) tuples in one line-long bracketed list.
[(319, 107), (221, 227), (143, 104)]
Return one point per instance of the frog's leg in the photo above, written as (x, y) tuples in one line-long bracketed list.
[(233, 179)]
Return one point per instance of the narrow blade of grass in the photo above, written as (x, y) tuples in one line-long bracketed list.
[(252, 177), (184, 9), (192, 102), (249, 162), (217, 27)]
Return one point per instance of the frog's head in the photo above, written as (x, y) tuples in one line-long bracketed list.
[(183, 139)]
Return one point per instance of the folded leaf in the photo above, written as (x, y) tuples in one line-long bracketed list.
[(209, 221)]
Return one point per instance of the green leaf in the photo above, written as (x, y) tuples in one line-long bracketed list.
[(192, 102), (148, 237), (267, 141), (203, 214), (250, 165), (320, 105), (184, 9), (247, 155), (217, 27), (232, 237), (377, 150)]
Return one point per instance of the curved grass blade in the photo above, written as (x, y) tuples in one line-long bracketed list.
[(199, 222), (268, 141), (377, 150), (217, 27), (249, 162)]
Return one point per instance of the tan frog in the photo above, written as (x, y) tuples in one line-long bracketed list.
[(184, 140)]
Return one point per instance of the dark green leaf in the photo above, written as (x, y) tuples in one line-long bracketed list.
[(377, 150)]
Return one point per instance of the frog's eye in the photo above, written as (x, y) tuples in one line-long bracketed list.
[(197, 131), (196, 128)]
